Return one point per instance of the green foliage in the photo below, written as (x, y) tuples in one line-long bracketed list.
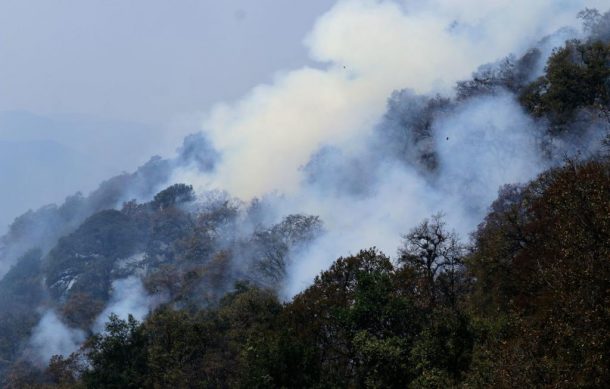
[(542, 268), (118, 356), (78, 270), (22, 285), (577, 77), (183, 351), (271, 247), (178, 349), (443, 347), (357, 325), (65, 372), (174, 195), (524, 306), (532, 311)]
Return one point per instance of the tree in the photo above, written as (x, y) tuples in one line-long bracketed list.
[(595, 24), (406, 130), (118, 356), (173, 195), (64, 372), (272, 247), (541, 265), (354, 325), (576, 78), (183, 350), (508, 74), (432, 251)]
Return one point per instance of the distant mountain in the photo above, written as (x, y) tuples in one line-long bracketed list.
[(39, 172), (44, 159)]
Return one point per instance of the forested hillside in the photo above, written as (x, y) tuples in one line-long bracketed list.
[(148, 283), (525, 304)]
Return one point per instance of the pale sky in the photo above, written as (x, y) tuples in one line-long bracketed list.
[(90, 88), (144, 60)]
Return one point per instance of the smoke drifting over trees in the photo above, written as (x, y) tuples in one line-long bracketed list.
[(225, 256)]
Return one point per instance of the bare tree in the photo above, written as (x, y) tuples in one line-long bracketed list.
[(433, 252)]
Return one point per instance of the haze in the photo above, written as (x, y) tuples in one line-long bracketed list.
[(90, 89)]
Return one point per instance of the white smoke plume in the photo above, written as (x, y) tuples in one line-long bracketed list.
[(485, 144), (367, 49), (128, 298), (52, 337)]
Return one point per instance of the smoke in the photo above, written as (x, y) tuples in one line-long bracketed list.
[(366, 49), (311, 133), (43, 227), (481, 145), (372, 140), (52, 337), (316, 141), (486, 143), (128, 298)]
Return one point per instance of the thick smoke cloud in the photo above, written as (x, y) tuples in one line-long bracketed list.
[(480, 146), (312, 128), (485, 144), (368, 49)]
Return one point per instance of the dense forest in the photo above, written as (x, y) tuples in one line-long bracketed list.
[(186, 289)]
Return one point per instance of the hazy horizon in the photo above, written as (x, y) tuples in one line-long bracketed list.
[(109, 84)]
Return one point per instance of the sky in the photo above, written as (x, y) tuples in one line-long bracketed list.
[(144, 60), (89, 89)]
